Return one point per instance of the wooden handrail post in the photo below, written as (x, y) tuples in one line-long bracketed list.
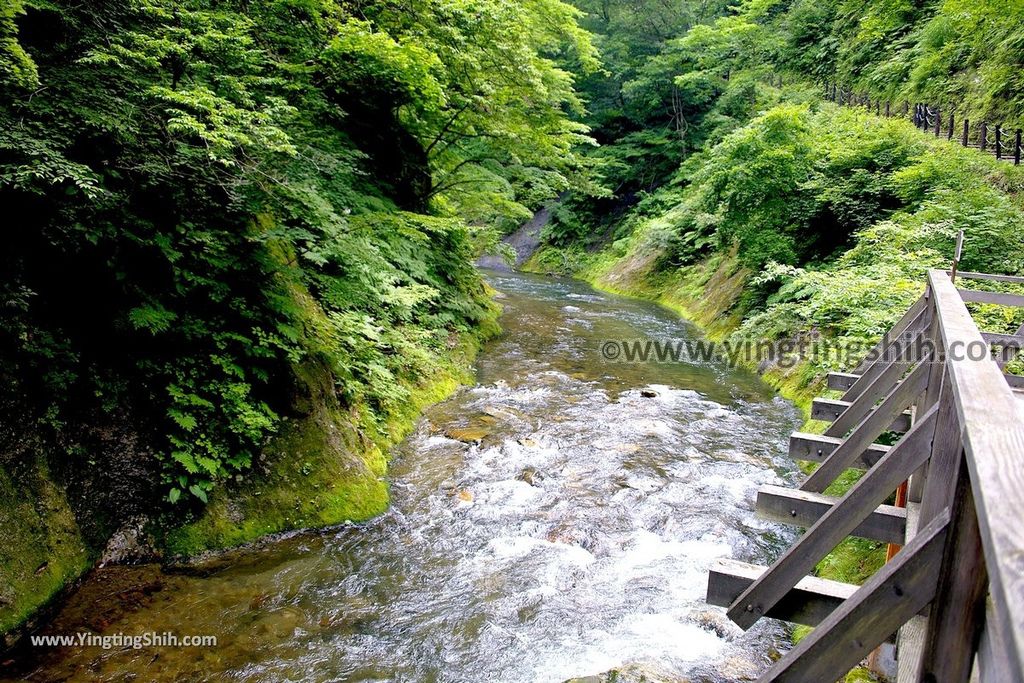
[(983, 143), (1016, 148), (938, 121), (963, 138), (949, 134), (999, 141)]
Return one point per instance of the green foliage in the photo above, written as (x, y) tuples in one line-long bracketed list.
[(960, 54), (210, 196), (17, 70)]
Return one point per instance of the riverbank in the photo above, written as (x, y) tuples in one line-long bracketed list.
[(327, 466)]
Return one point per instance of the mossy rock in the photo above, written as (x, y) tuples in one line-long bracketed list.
[(324, 468), (43, 549)]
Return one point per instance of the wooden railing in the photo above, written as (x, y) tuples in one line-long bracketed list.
[(953, 596), (994, 138)]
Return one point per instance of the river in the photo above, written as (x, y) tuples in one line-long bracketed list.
[(555, 520)]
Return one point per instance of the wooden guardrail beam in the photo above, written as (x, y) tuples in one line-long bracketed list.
[(809, 602), (893, 347), (833, 410), (877, 421), (1010, 340), (887, 523), (999, 298), (968, 275), (836, 524), (879, 350), (965, 449), (817, 447), (894, 594), (842, 381)]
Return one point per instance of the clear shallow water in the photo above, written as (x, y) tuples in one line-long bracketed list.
[(572, 535)]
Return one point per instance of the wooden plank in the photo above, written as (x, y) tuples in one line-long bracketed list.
[(833, 410), (841, 381), (993, 437), (910, 645), (1011, 340), (867, 431), (808, 603), (955, 621), (1005, 347), (836, 524), (999, 298), (897, 592), (887, 523), (910, 641), (876, 390), (967, 275), (815, 448), (947, 451), (876, 382)]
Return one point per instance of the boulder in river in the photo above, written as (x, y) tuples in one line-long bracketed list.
[(648, 393), (131, 544), (532, 476), (468, 434)]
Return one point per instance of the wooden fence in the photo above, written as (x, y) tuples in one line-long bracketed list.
[(953, 595), (993, 138)]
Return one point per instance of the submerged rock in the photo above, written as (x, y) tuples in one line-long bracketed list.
[(468, 434), (532, 476), (728, 671), (717, 623), (648, 393), (633, 673), (131, 544)]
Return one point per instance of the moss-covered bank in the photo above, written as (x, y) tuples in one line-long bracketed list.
[(42, 547), (326, 466)]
